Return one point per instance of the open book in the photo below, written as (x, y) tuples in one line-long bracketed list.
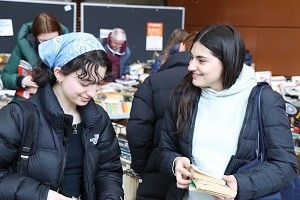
[(210, 185)]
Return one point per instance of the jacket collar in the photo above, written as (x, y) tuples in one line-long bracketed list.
[(89, 113)]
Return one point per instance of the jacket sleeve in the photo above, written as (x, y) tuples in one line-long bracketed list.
[(280, 169), (168, 148), (140, 127), (10, 70), (110, 173), (14, 185), (126, 65)]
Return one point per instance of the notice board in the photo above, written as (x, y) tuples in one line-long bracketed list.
[(20, 12), (133, 19)]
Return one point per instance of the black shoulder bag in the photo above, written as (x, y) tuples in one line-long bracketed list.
[(260, 153), (29, 136)]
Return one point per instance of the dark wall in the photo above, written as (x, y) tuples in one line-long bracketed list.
[(133, 19), (270, 28)]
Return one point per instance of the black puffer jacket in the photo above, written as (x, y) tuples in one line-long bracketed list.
[(102, 167), (271, 176), (144, 124)]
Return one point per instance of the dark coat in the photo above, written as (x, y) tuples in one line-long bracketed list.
[(264, 179), (102, 170), (144, 125)]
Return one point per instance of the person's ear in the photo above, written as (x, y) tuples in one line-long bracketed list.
[(59, 76)]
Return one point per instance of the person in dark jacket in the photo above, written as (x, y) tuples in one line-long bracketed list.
[(77, 152), (144, 124), (44, 27), (211, 122), (118, 52)]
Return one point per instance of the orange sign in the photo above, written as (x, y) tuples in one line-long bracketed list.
[(154, 29)]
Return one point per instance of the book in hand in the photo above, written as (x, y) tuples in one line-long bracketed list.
[(210, 185), (24, 69)]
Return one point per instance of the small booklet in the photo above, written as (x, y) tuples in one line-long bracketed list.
[(210, 185), (24, 69)]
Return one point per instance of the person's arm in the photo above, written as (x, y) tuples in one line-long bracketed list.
[(168, 149), (110, 173), (126, 65), (281, 166), (10, 78), (140, 127)]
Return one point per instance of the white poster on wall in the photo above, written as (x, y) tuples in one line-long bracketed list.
[(154, 38), (6, 27)]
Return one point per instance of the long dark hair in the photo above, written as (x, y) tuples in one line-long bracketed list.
[(89, 62), (225, 43)]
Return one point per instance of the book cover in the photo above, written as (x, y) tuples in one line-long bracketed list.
[(198, 174), (24, 69), (210, 185)]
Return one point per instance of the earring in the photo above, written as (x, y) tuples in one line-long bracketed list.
[(58, 81)]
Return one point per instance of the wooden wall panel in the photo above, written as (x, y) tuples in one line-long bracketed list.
[(250, 36), (279, 13), (278, 50), (213, 11), (270, 28)]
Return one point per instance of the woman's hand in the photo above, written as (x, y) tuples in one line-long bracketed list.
[(231, 183), (29, 85), (182, 172), (52, 195)]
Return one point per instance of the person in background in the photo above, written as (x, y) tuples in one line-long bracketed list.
[(248, 58), (118, 52), (173, 44), (77, 154), (211, 122), (44, 27), (144, 124)]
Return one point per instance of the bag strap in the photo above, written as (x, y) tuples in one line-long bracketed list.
[(28, 136), (260, 151)]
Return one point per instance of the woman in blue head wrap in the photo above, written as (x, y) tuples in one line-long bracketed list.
[(77, 153)]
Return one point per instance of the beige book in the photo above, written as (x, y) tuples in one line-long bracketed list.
[(215, 189), (210, 185), (197, 173)]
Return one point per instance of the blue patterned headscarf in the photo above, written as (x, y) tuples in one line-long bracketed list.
[(60, 50)]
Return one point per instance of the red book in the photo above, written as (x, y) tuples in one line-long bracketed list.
[(24, 69)]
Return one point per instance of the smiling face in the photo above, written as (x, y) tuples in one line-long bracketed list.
[(78, 91), (206, 69)]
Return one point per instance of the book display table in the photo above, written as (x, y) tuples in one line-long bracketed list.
[(116, 99)]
